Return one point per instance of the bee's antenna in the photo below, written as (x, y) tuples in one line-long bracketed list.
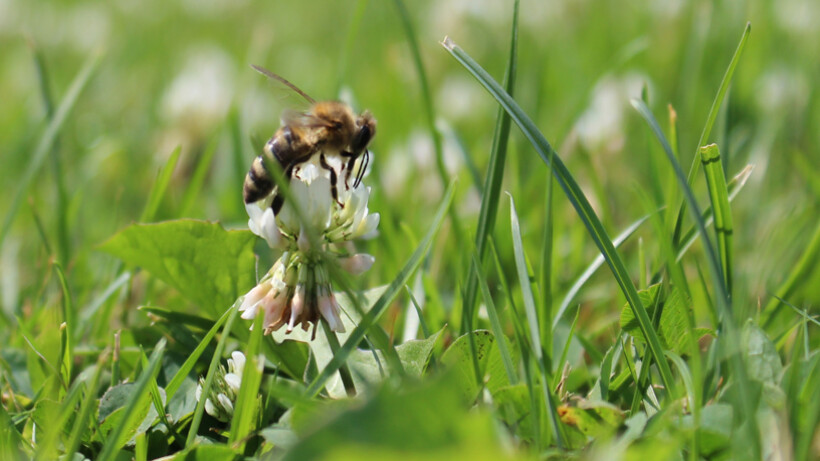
[(284, 81)]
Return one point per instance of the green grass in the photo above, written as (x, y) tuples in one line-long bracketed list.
[(610, 306)]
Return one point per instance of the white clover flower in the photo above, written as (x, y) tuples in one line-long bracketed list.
[(297, 290), (225, 389)]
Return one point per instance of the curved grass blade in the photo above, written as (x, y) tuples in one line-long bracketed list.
[(578, 200), (60, 209), (532, 320), (384, 300), (198, 179), (729, 334), (712, 258), (50, 435), (710, 121), (48, 138), (138, 395), (719, 196), (189, 363), (69, 317), (585, 276), (246, 407), (88, 313), (89, 402), (160, 186), (804, 267), (495, 170), (426, 95)]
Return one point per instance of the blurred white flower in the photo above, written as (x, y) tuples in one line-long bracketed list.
[(201, 92), (600, 127)]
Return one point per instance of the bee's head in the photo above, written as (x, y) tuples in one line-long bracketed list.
[(365, 130)]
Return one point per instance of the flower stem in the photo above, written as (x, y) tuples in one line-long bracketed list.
[(344, 372)]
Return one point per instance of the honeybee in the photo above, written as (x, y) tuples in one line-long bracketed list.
[(328, 128)]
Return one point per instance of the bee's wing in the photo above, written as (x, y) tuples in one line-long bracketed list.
[(295, 118)]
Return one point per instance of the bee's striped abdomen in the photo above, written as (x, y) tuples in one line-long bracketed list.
[(258, 182)]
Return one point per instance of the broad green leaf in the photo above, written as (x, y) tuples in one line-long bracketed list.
[(46, 412), (715, 430), (429, 419), (515, 410), (413, 354), (207, 264), (459, 357), (111, 414), (674, 324), (762, 361)]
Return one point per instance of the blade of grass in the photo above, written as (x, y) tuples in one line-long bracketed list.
[(803, 268), (546, 326), (89, 402), (710, 121), (730, 336), (578, 200), (189, 363), (719, 196), (48, 138), (63, 245), (88, 313), (712, 259), (542, 355), (156, 398), (245, 409), (198, 179), (429, 112), (347, 49), (137, 397), (556, 379), (498, 331), (495, 170), (689, 386), (426, 95), (47, 444), (160, 186), (69, 317), (384, 300)]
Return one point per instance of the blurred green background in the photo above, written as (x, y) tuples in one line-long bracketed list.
[(177, 74)]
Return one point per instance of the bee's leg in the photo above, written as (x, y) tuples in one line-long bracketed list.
[(351, 162), (334, 191)]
